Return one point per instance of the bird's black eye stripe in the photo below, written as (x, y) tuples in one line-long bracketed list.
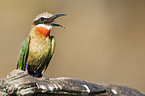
[(39, 21)]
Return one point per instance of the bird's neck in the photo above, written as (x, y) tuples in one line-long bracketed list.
[(35, 34), (41, 30)]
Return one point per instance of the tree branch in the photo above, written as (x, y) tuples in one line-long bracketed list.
[(18, 82)]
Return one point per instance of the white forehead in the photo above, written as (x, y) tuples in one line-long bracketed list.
[(44, 14)]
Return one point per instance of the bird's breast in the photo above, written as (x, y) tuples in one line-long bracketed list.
[(38, 50)]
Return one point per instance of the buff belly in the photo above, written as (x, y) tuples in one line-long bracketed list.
[(38, 52)]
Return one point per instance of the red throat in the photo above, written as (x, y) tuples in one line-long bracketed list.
[(43, 31)]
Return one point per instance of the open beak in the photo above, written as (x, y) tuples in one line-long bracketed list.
[(51, 19), (54, 24)]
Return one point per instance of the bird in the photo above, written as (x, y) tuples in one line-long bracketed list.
[(38, 46)]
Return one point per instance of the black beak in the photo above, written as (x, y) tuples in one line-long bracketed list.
[(53, 24), (51, 19), (56, 16)]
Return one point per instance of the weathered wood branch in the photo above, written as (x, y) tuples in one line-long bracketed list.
[(18, 82)]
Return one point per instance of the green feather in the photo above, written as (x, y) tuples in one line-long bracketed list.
[(23, 54)]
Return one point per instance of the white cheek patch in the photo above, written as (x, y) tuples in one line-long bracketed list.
[(44, 26)]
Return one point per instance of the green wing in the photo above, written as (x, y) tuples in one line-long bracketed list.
[(52, 48), (23, 54)]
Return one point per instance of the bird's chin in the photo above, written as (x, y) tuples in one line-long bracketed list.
[(48, 27)]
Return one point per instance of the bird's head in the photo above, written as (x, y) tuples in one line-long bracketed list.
[(43, 23)]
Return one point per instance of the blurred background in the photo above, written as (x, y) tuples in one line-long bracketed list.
[(105, 42)]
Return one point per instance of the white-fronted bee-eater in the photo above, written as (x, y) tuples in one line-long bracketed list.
[(38, 47)]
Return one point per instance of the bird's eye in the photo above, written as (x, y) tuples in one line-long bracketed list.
[(41, 18)]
